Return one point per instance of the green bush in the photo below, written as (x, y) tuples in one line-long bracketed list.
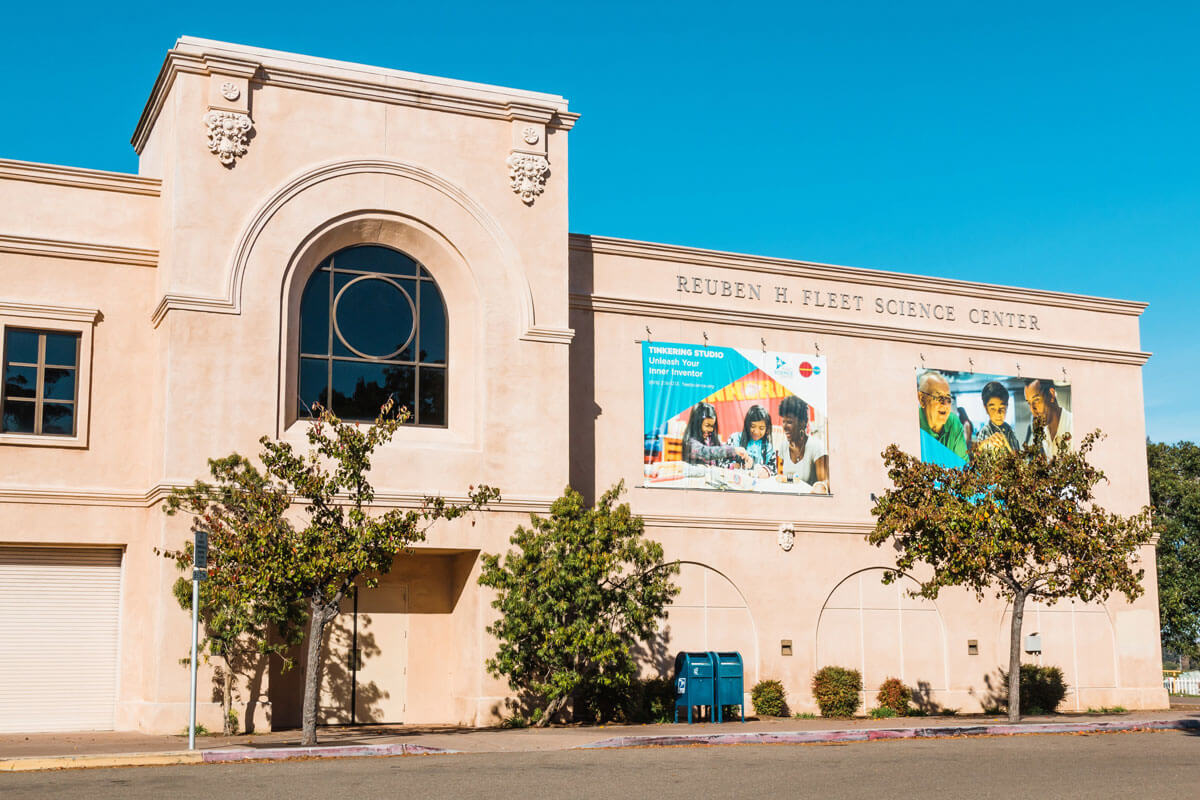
[(652, 700), (770, 699), (883, 712), (1042, 689), (895, 696), (836, 691)]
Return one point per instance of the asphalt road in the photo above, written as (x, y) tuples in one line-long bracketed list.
[(1125, 765)]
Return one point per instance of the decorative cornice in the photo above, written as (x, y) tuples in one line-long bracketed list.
[(80, 251), (343, 79), (831, 272), (548, 335), (755, 525), (156, 494), (40, 311), (759, 319), (79, 178)]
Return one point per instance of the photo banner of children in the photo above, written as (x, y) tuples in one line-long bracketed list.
[(963, 413), (734, 419)]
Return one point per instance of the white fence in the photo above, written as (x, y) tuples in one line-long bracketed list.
[(1182, 685)]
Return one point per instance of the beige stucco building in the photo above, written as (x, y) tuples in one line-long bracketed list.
[(180, 290)]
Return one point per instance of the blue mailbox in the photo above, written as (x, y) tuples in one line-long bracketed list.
[(694, 682), (729, 684)]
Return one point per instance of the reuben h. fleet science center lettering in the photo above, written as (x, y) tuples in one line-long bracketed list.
[(881, 305)]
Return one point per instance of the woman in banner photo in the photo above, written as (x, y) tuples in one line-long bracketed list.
[(804, 458), (996, 433), (702, 443), (755, 437)]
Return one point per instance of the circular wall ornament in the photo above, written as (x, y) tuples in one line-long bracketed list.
[(230, 91), (530, 135), (376, 303)]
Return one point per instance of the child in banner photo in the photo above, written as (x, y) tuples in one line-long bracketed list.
[(755, 438), (996, 432), (702, 442)]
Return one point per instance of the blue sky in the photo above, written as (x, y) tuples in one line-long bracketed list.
[(1050, 145)]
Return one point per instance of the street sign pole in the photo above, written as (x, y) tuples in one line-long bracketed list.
[(195, 640), (199, 573)]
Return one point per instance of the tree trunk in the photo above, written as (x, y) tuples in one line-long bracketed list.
[(555, 706), (227, 701), (1014, 658), (312, 674)]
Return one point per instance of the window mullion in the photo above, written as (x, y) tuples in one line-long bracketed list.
[(38, 383)]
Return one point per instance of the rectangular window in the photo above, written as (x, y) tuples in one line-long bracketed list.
[(40, 391)]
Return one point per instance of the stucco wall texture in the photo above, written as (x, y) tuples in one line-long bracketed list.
[(187, 278)]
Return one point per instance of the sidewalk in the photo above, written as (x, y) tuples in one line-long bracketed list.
[(76, 750)]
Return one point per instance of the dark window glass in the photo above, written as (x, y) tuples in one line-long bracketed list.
[(314, 385), (390, 319), (433, 325), (375, 318), (18, 417), (60, 349), (21, 345), (372, 258), (314, 315), (360, 389), (20, 381), (432, 408), (58, 384), (58, 418), (39, 390)]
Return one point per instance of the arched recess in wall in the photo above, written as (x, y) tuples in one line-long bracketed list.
[(882, 632), (456, 280), (710, 613), (394, 173), (1077, 637)]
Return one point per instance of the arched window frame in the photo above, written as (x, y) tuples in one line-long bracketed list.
[(428, 399)]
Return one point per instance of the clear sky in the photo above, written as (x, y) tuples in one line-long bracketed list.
[(1049, 145)]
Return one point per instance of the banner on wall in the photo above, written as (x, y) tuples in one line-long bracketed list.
[(734, 419), (964, 413)]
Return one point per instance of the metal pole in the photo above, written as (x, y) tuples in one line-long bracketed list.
[(195, 639)]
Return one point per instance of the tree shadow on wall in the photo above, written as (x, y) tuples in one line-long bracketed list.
[(346, 698), (247, 668), (655, 655)]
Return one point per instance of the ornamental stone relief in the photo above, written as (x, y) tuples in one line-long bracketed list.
[(528, 173), (228, 134)]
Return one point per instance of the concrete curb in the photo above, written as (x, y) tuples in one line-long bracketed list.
[(342, 751), (871, 734), (177, 757), (163, 759)]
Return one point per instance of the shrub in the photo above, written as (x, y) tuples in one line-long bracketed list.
[(1042, 689), (883, 712), (895, 696), (836, 691), (651, 700), (769, 699)]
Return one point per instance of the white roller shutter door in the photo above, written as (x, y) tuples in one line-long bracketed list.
[(59, 630)]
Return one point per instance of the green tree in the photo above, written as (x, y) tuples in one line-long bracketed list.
[(238, 511), (1020, 525), (579, 589), (1175, 496), (313, 561)]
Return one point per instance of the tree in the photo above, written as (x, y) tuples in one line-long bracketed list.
[(580, 587), (1018, 524), (1175, 497), (313, 562), (239, 511)]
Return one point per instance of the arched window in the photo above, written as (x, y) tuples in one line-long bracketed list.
[(373, 326)]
